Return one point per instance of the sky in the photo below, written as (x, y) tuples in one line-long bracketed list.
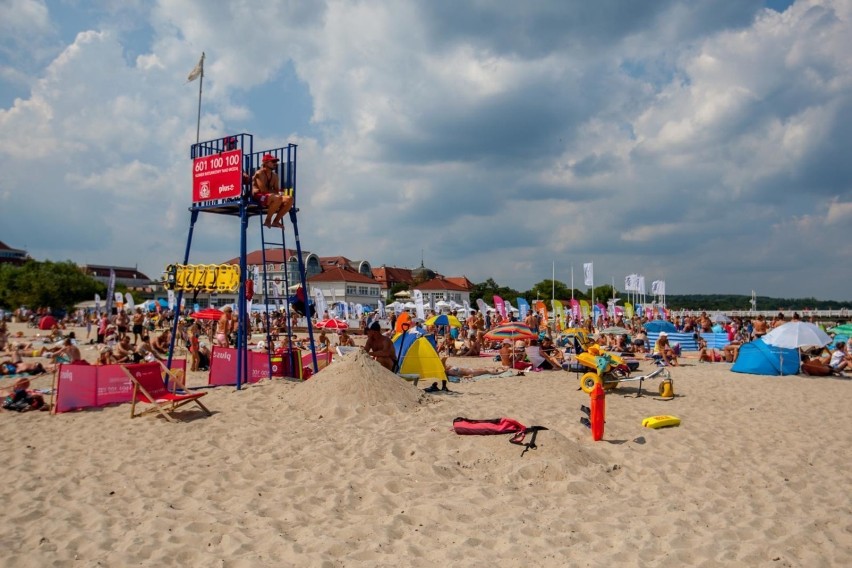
[(699, 142)]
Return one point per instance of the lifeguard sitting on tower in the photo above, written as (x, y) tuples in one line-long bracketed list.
[(266, 190)]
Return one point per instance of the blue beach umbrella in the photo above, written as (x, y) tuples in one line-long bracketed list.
[(656, 326)]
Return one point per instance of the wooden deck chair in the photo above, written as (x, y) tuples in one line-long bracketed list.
[(148, 387)]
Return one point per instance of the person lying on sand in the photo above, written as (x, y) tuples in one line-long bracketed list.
[(21, 399), (464, 372)]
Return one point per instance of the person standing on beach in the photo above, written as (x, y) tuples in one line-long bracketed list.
[(121, 322), (223, 329), (102, 327), (759, 327), (138, 320), (266, 190)]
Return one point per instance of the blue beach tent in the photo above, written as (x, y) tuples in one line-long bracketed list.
[(758, 358)]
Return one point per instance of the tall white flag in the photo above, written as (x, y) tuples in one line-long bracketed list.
[(198, 70), (418, 304), (641, 284), (319, 302), (588, 272)]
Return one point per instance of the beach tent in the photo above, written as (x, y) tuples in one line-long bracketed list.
[(656, 326), (758, 358), (46, 322), (419, 358)]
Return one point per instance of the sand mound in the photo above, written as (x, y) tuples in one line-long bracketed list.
[(351, 384)]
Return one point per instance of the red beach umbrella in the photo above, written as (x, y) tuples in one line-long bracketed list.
[(207, 314), (332, 324)]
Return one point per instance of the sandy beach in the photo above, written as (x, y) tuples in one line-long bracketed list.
[(357, 467)]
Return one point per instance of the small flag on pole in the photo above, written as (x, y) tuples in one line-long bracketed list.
[(197, 72)]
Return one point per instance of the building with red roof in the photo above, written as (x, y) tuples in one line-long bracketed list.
[(440, 289)]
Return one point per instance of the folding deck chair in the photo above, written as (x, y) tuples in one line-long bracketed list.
[(148, 387)]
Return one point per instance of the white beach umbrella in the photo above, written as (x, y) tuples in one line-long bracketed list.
[(797, 334)]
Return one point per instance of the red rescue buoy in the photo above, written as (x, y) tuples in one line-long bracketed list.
[(598, 411)]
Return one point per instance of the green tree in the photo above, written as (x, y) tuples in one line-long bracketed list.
[(547, 290), (42, 284), (602, 293), (488, 289), (398, 287)]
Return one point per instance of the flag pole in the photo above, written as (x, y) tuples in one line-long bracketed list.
[(200, 83), (572, 281)]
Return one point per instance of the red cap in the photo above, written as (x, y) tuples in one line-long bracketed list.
[(269, 158)]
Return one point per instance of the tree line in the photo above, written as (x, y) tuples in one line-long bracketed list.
[(63, 285)]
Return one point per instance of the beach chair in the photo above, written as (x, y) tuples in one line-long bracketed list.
[(149, 388)]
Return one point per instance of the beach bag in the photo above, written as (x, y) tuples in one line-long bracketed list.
[(493, 426)]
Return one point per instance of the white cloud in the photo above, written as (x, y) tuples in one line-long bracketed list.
[(483, 137)]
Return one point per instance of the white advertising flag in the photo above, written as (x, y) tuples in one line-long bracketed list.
[(319, 300), (418, 304), (589, 274)]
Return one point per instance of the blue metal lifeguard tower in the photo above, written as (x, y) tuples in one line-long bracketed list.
[(222, 173)]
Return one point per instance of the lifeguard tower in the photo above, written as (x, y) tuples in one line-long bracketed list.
[(222, 169)]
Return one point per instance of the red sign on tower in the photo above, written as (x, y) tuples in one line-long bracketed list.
[(217, 177)]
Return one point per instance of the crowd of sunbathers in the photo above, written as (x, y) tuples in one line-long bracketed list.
[(127, 337), (553, 349)]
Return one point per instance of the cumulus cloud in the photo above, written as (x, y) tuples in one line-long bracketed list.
[(677, 139)]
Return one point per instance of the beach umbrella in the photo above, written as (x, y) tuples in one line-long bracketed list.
[(332, 323), (721, 318), (615, 330), (444, 319), (207, 314), (797, 334), (845, 329), (511, 331)]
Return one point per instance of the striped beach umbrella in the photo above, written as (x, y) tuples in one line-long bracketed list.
[(512, 330)]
